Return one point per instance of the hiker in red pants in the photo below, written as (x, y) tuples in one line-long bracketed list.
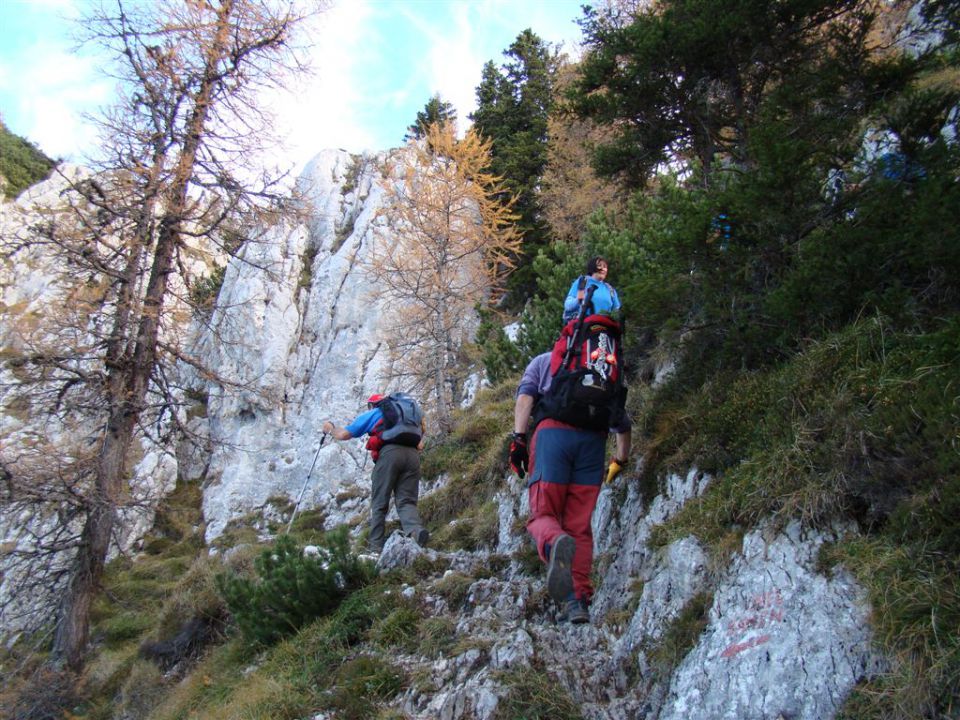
[(566, 465)]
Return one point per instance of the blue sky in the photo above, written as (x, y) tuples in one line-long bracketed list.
[(376, 63)]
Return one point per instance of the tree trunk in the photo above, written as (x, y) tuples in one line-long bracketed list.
[(73, 627), (127, 386), (129, 380)]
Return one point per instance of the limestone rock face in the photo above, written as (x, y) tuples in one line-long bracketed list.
[(300, 340), (295, 339), (781, 639)]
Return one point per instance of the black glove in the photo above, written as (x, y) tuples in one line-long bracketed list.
[(519, 457)]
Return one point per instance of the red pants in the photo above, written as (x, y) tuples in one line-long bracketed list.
[(566, 472)]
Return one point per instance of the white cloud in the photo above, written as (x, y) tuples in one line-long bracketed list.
[(456, 62), (50, 94), (321, 110), (480, 33), (375, 63)]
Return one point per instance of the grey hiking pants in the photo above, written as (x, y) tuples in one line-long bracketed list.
[(397, 472)]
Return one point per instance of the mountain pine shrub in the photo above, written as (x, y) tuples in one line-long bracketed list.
[(501, 358), (205, 290), (292, 588)]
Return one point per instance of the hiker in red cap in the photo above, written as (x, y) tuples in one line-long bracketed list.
[(394, 428)]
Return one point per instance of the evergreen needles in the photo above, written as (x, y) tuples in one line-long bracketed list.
[(292, 587)]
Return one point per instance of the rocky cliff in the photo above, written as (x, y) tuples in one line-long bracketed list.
[(298, 334)]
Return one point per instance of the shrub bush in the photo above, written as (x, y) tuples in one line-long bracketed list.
[(205, 290), (292, 587)]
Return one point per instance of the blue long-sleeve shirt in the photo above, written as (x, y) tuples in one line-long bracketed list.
[(364, 423), (604, 300)]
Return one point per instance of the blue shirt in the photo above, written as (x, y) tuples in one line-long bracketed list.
[(604, 300), (365, 422)]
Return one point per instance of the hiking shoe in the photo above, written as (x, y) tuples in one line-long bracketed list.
[(559, 569), (422, 537), (576, 611)]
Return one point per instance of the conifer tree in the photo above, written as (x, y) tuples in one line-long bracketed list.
[(513, 107), (292, 588), (436, 111), (685, 80), (21, 163)]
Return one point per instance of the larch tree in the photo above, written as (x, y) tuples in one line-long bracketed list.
[(177, 170), (571, 191), (452, 242)]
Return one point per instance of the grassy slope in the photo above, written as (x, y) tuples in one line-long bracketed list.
[(862, 426), (22, 164), (837, 431)]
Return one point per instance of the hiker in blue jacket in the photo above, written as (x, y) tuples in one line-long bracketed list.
[(605, 300), (396, 472)]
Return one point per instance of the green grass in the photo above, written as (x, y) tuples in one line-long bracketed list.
[(437, 636), (399, 629), (361, 683), (534, 694), (681, 636), (915, 595), (837, 431), (863, 425), (315, 668), (476, 528), (454, 587), (473, 457)]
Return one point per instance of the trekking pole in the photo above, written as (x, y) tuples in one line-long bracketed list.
[(573, 340), (305, 483)]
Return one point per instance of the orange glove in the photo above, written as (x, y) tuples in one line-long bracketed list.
[(613, 469)]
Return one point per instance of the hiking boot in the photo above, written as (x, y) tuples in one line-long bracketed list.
[(576, 611), (422, 537), (559, 569)]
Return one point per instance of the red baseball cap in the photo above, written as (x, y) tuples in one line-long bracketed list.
[(374, 399)]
